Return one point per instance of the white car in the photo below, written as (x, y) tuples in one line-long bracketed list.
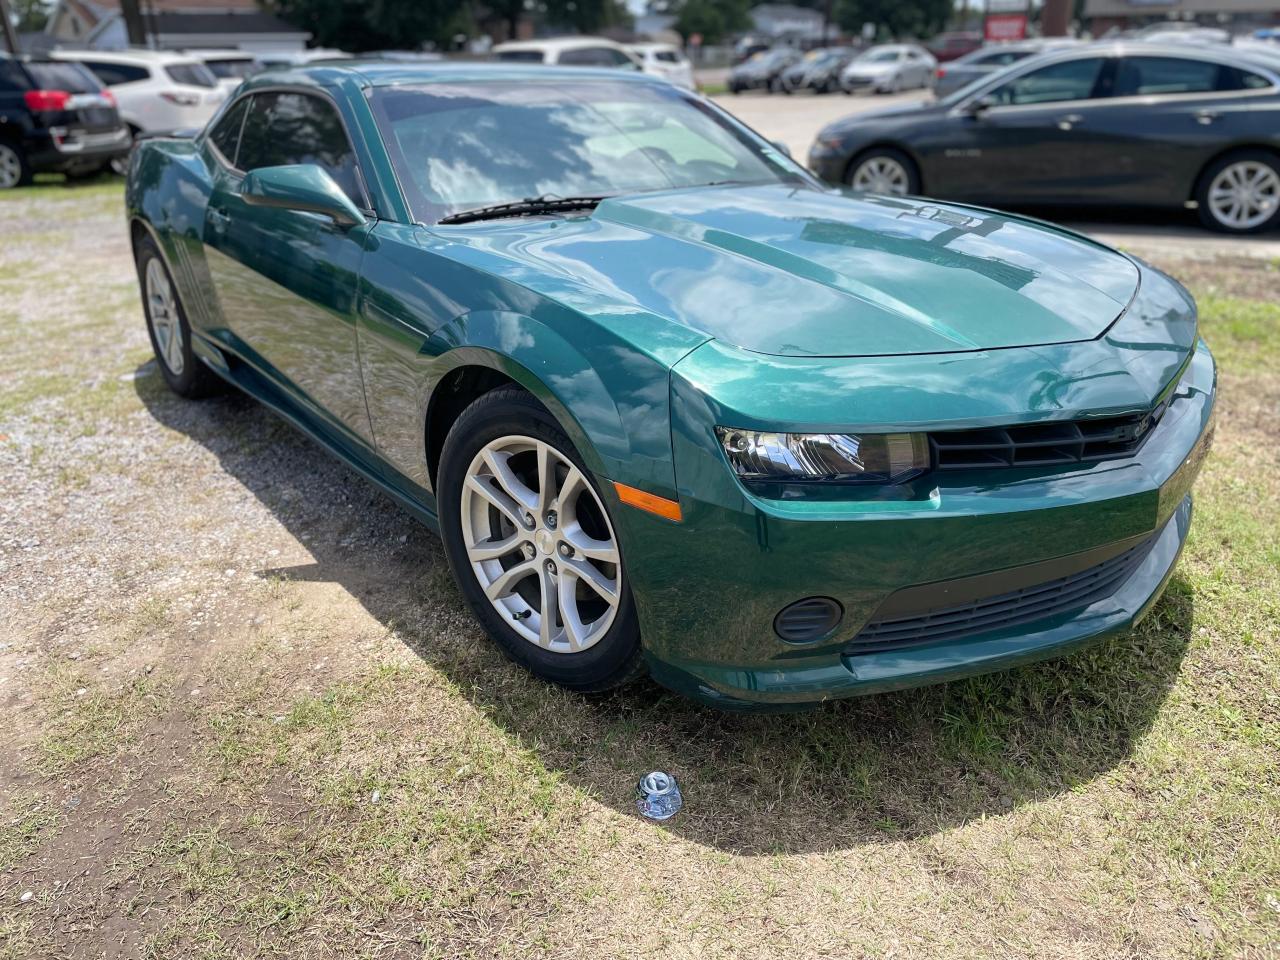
[(157, 91), (230, 67), (273, 59), (665, 60), (569, 52), (889, 68)]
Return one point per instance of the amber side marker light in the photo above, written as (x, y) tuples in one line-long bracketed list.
[(649, 502)]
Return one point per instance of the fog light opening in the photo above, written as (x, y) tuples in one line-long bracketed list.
[(808, 620)]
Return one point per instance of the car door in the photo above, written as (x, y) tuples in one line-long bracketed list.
[(286, 280), (1167, 115), (1029, 138)]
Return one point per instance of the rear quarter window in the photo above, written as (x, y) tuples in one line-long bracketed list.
[(191, 74)]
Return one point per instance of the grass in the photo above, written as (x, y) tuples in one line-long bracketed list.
[(317, 754)]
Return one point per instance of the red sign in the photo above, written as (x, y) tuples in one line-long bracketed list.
[(1005, 26)]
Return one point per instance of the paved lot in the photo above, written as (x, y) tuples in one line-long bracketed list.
[(795, 120)]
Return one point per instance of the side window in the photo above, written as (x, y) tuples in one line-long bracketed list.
[(287, 128), (1070, 80), (1148, 76), (582, 57), (667, 56), (115, 74), (1233, 78), (226, 134)]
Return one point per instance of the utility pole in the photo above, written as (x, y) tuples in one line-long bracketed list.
[(133, 24), (1055, 16), (6, 26)]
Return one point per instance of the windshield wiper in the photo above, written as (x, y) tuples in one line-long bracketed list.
[(528, 207)]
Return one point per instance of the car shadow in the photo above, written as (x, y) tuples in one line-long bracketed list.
[(868, 770)]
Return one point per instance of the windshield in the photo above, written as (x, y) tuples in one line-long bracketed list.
[(230, 69), (460, 147), (879, 56)]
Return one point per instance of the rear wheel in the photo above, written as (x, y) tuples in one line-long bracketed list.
[(532, 546), (884, 170), (1240, 193), (14, 169), (167, 326)]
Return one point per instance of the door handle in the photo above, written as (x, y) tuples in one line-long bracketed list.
[(1069, 121), (1206, 117)]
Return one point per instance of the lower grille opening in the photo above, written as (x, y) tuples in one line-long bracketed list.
[(1013, 609)]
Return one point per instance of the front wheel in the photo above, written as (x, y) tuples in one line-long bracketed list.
[(1240, 193), (532, 546), (884, 170)]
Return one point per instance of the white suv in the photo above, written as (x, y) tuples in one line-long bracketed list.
[(157, 91), (229, 67), (569, 52), (665, 60)]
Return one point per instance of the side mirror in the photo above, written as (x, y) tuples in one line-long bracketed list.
[(302, 186), (980, 105)]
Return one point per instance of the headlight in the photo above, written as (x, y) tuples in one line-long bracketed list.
[(832, 457)]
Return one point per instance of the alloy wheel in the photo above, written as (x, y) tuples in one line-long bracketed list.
[(1244, 195), (540, 544), (880, 174), (10, 167), (162, 311)]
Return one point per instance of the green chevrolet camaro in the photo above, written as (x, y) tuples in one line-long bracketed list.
[(674, 405)]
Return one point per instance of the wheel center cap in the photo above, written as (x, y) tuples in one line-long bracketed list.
[(545, 542)]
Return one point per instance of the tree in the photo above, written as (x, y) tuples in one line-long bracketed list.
[(713, 19), (357, 25), (587, 16), (898, 18), (32, 15)]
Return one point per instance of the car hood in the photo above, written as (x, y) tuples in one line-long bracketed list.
[(803, 272)]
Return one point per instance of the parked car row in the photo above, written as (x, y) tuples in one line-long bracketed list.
[(1117, 124), (886, 68)]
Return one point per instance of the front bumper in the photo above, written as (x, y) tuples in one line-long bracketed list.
[(708, 589)]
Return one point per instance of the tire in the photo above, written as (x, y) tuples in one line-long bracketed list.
[(1259, 168), (510, 419), (184, 372), (15, 171), (908, 166)]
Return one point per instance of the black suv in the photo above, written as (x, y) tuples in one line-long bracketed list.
[(55, 116)]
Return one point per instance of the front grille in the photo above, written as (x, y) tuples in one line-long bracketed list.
[(1014, 609), (1044, 444)]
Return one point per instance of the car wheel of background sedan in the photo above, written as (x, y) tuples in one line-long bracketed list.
[(884, 170), (1240, 193), (532, 546), (14, 171), (167, 326)]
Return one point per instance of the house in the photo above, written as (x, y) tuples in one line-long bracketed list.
[(174, 24), (785, 20)]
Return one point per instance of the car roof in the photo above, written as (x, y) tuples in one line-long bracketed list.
[(652, 46), (385, 73), (223, 54), (556, 43), (158, 57)]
